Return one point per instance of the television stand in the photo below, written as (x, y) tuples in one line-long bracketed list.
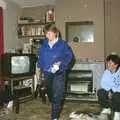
[(20, 100), (21, 93)]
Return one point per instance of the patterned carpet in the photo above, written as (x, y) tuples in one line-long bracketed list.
[(36, 110)]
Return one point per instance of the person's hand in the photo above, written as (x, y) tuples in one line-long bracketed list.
[(55, 67)]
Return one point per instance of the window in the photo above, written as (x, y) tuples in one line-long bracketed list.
[(80, 32)]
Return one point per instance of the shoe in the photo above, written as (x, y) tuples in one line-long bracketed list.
[(106, 111), (10, 105), (116, 116)]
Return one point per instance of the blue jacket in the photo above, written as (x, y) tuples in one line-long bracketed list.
[(116, 81), (106, 80), (59, 52), (111, 81)]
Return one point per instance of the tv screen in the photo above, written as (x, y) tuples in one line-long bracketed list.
[(18, 65)]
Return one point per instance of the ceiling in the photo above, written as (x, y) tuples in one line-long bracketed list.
[(33, 3)]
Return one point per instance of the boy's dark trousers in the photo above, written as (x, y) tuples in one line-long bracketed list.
[(1, 97), (116, 101), (103, 98), (106, 103), (5, 95), (55, 84)]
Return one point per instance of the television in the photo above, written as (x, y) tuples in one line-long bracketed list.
[(18, 65)]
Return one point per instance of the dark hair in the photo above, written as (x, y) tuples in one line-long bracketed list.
[(114, 58), (51, 27)]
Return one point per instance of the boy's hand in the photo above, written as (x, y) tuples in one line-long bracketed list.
[(55, 67)]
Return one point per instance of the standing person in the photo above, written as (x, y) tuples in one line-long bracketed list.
[(54, 58), (109, 94)]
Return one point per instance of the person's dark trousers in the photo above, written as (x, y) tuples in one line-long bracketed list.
[(55, 84), (116, 102), (1, 97), (103, 98), (5, 95)]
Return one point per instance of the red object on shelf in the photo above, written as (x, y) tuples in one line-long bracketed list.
[(50, 15)]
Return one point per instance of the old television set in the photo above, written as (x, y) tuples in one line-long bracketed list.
[(18, 65)]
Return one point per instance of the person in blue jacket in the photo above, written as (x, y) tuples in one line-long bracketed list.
[(109, 93), (55, 56)]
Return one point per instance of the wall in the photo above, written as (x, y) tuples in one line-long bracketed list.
[(83, 10), (38, 13), (11, 13), (106, 35), (112, 29)]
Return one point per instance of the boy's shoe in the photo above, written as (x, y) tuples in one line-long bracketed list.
[(106, 111), (10, 105), (116, 116)]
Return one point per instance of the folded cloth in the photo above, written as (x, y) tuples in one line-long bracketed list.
[(106, 111), (81, 116)]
